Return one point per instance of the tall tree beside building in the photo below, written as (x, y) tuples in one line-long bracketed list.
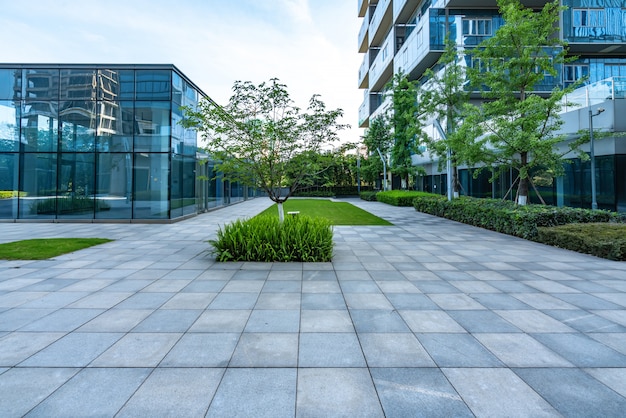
[(377, 137), (260, 138), (519, 124)]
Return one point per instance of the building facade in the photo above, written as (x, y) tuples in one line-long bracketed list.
[(102, 143), (408, 36)]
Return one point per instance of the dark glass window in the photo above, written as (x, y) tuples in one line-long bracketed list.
[(40, 126), (78, 125), (153, 84), (41, 84), (115, 85), (152, 126), (9, 125), (114, 186), (76, 186), (151, 184), (38, 175), (9, 164), (115, 127), (78, 84)]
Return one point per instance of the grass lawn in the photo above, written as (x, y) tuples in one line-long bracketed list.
[(339, 213), (41, 249)]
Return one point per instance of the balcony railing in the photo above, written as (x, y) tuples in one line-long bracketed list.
[(377, 17), (592, 94), (364, 69), (363, 39)]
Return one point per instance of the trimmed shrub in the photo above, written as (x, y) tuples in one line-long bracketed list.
[(506, 216), (8, 194), (315, 193), (600, 239), (400, 197), (368, 196), (264, 238)]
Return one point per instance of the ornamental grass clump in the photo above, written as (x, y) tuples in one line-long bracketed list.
[(266, 239)]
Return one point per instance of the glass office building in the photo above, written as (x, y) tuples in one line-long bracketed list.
[(102, 143)]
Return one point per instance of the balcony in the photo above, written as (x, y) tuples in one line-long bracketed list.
[(362, 7), (364, 72), (415, 55), (403, 10), (380, 23), (363, 39), (364, 111), (382, 69)]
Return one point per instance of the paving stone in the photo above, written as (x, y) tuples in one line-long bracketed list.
[(336, 392), (430, 321), (394, 350), (16, 347), (266, 350), (534, 321), (137, 350), (326, 321), (373, 320), (482, 321), (221, 321), (73, 350), (412, 392), (457, 350), (330, 350), (266, 392), (273, 320), (612, 377), (169, 320), (582, 351), (521, 350)]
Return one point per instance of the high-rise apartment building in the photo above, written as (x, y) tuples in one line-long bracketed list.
[(408, 36)]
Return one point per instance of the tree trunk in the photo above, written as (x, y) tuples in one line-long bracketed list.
[(455, 181), (281, 212), (522, 192)]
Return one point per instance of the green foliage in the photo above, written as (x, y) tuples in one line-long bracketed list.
[(338, 213), (333, 191), (8, 194), (262, 139), (266, 239), (377, 137), (507, 217), (519, 126), (314, 193), (406, 125), (69, 204), (41, 249), (400, 197), (369, 196), (606, 240)]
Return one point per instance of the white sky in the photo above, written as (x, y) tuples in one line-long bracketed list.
[(310, 45)]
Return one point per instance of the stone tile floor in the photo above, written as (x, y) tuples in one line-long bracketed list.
[(426, 318)]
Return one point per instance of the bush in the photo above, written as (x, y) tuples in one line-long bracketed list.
[(264, 238), (600, 239), (315, 193), (8, 194), (400, 197), (330, 191), (506, 216), (66, 205), (368, 196)]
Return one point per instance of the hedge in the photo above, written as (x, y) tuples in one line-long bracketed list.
[(506, 216), (400, 197), (369, 196), (600, 239)]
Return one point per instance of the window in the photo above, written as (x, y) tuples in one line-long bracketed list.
[(477, 27), (575, 72), (589, 18)]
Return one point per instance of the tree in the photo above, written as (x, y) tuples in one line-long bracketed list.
[(259, 136), (444, 97), (406, 125), (377, 138), (519, 125)]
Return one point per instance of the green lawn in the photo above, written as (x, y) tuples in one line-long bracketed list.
[(339, 213), (43, 248)]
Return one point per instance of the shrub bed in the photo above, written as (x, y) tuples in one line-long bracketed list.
[(265, 239), (369, 196), (315, 193), (600, 239), (400, 197), (506, 216)]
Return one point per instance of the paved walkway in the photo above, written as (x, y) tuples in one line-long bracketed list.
[(425, 318)]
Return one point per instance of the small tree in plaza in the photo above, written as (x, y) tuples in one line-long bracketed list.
[(519, 126), (261, 139), (378, 137)]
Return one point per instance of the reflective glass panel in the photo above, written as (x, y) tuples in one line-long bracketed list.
[(9, 164), (38, 182), (152, 126), (115, 85), (10, 84), (9, 125), (177, 88), (114, 186), (151, 184), (40, 126), (78, 84), (176, 190), (78, 125), (153, 84), (189, 185), (41, 84), (115, 126), (76, 186)]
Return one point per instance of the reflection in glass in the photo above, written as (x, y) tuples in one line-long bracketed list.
[(10, 84), (75, 189), (9, 164), (78, 84), (9, 125), (78, 125), (115, 126), (176, 189), (152, 126), (41, 84), (189, 186), (151, 184), (116, 85), (40, 126), (114, 186), (38, 174), (153, 84)]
